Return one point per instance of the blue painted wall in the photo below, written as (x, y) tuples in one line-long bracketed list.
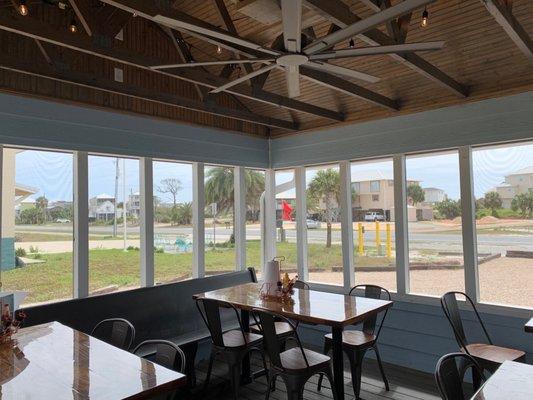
[(496, 120), (7, 253), (32, 122)]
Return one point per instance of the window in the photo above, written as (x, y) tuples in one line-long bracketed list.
[(114, 233), (324, 227), (374, 186), (285, 220), (356, 186), (173, 237), (434, 223), (219, 221), (504, 222), (255, 187), (373, 229), (37, 228)]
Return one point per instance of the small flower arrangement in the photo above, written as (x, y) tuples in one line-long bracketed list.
[(284, 289), (9, 323)]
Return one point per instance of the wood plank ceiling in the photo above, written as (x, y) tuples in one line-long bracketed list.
[(482, 58)]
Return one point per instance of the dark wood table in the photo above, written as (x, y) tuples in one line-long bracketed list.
[(53, 361), (528, 327), (311, 306), (511, 381)]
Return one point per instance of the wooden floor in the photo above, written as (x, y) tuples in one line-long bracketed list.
[(404, 384)]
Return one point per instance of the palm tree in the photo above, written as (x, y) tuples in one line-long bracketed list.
[(41, 203), (325, 189)]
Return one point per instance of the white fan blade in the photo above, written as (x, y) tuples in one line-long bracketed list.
[(291, 12), (244, 78), (335, 69), (378, 50), (220, 62), (364, 25), (293, 81)]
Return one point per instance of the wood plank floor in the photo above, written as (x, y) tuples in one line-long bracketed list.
[(404, 384)]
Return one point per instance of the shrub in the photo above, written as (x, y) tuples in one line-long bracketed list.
[(20, 252)]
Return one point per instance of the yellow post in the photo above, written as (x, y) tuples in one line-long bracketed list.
[(389, 246), (361, 238), (378, 238)]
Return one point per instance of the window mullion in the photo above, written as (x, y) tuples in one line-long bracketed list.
[(400, 225), (81, 224), (198, 225)]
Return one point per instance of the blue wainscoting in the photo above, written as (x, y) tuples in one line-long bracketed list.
[(7, 253), (416, 335)]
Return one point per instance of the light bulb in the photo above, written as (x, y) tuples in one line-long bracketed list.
[(351, 43), (73, 28), (219, 50), (425, 19), (23, 8)]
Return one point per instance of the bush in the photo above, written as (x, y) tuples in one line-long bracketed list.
[(20, 252), (34, 249), (449, 208), (132, 248)]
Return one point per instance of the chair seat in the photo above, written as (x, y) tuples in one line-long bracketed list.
[(494, 354), (355, 338), (235, 338), (293, 359), (282, 328)]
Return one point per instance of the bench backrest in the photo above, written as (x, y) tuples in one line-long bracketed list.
[(161, 311)]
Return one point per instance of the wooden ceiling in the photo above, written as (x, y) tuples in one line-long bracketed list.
[(484, 56)]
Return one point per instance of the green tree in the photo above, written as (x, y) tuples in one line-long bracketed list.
[(184, 213), (170, 186), (325, 188), (41, 203), (524, 203), (31, 216), (449, 208), (415, 193), (493, 202)]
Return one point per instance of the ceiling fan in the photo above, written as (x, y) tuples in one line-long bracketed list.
[(315, 54)]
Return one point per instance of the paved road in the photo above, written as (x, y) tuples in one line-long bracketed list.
[(487, 243)]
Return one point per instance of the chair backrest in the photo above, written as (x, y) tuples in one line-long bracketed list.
[(267, 324), (450, 372), (450, 307), (373, 292), (301, 285), (116, 331), (210, 310), (164, 353)]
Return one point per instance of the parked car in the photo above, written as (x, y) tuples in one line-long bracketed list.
[(63, 221), (374, 216), (312, 224)]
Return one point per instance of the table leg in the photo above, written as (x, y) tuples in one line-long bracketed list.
[(338, 362), (246, 376)]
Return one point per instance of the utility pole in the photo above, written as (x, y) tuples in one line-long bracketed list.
[(116, 198), (124, 214)]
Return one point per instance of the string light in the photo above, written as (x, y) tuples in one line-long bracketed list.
[(425, 18), (351, 43), (23, 8), (73, 27), (219, 49)]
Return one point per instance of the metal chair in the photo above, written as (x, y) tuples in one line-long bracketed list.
[(118, 332), (355, 343), (164, 352), (296, 365), (233, 344), (488, 356), (450, 372)]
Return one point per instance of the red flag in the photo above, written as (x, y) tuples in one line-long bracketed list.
[(287, 210)]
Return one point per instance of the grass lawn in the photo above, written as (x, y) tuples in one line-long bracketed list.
[(52, 280), (58, 237)]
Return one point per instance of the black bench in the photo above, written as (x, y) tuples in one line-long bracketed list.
[(164, 311)]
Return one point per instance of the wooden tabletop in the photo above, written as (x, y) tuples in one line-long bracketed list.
[(528, 327), (53, 361), (309, 305), (511, 381)]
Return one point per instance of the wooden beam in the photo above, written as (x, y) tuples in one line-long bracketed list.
[(106, 85), (80, 9), (34, 29), (349, 88), (504, 17), (340, 14)]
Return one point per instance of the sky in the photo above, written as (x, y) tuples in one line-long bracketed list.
[(51, 172)]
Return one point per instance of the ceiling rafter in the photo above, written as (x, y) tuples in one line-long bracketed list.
[(340, 14), (80, 8), (32, 28)]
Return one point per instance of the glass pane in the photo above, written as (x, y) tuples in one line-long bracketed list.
[(373, 228), (285, 223), (503, 187), (114, 257), (173, 237), (37, 229), (255, 187), (219, 222), (435, 231), (324, 257)]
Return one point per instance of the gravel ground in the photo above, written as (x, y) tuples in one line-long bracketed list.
[(503, 280)]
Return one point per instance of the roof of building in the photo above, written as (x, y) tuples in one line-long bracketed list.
[(433, 188), (24, 190), (104, 196), (523, 171)]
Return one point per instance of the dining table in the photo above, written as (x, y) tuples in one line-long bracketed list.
[(334, 310), (528, 327), (54, 361), (512, 380)]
